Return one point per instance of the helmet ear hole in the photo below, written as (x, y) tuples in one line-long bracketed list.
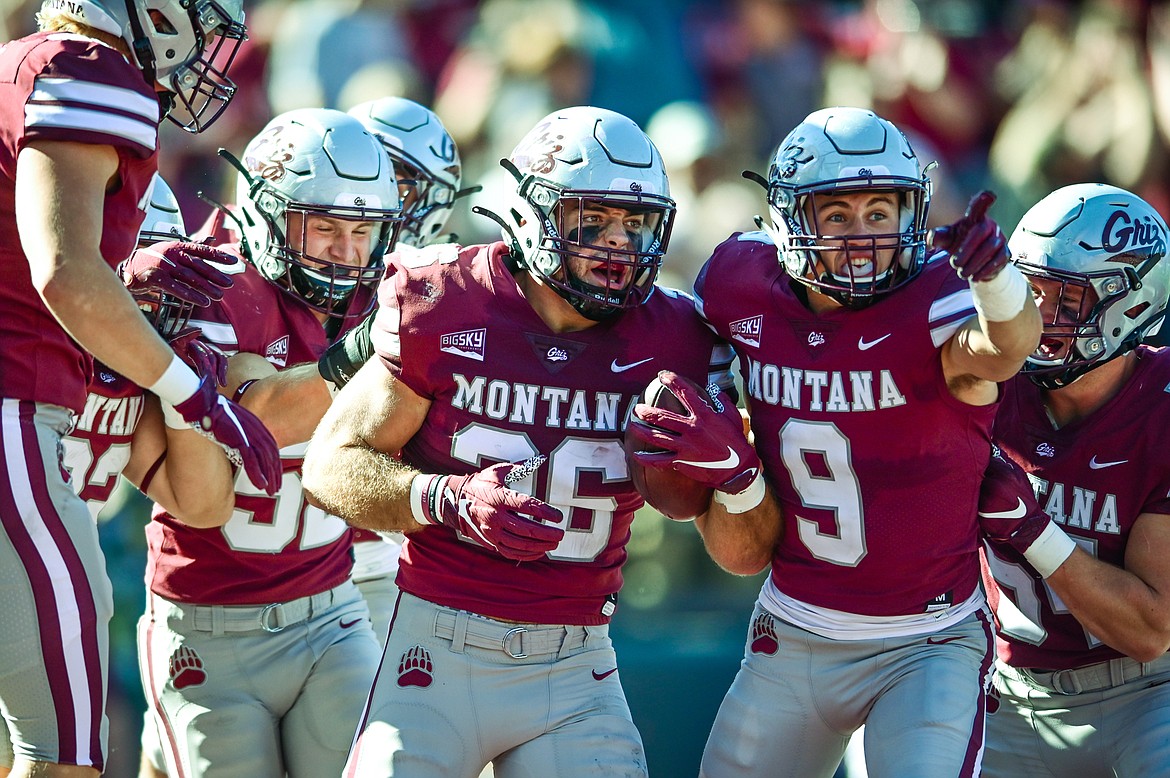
[(1137, 310)]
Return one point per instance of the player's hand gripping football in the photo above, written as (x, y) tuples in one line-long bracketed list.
[(707, 445), (975, 242), (181, 269), (483, 508), (242, 436)]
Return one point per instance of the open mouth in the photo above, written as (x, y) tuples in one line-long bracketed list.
[(861, 267), (1050, 348), (608, 275)]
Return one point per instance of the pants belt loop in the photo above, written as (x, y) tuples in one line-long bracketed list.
[(1117, 672), (217, 621), (567, 641), (591, 637), (459, 636)]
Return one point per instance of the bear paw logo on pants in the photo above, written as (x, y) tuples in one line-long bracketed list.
[(764, 639), (415, 668), (186, 668)]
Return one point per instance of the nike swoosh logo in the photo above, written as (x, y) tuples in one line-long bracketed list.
[(602, 676), (731, 461), (1017, 512), (347, 624), (942, 641), (615, 367), (1095, 465), (862, 345)]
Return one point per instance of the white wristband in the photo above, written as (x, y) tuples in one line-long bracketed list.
[(744, 501), (1003, 297), (420, 487), (173, 418), (177, 384), (1049, 551)]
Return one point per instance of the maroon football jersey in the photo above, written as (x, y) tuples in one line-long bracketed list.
[(1094, 477), (273, 549), (97, 449), (57, 87), (455, 328), (876, 466)]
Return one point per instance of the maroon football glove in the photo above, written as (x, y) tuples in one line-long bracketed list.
[(975, 242), (183, 270), (201, 356), (707, 445), (242, 436), (1008, 511), (482, 508)]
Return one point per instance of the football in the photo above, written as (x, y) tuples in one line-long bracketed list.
[(668, 491)]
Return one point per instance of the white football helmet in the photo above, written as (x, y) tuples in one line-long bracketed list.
[(164, 219), (163, 222), (184, 46), (837, 150), (1109, 244), (316, 162), (578, 158), (425, 160)]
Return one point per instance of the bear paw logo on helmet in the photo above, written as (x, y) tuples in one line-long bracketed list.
[(793, 157)]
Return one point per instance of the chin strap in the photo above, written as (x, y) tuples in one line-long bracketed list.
[(142, 50)]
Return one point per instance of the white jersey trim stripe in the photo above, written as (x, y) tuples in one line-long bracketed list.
[(943, 309), (97, 96), (68, 613), (384, 337), (134, 130), (223, 335), (956, 302), (386, 343)]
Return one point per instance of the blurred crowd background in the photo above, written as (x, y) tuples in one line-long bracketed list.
[(1019, 97)]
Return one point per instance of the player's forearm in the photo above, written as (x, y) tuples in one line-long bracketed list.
[(97, 311), (366, 488), (192, 481), (290, 403), (741, 543), (1115, 605), (198, 479), (1011, 342)]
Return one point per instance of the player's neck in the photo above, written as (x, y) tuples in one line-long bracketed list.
[(819, 303), (1090, 392), (553, 309)]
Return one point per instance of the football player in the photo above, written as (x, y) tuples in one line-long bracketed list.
[(426, 164), (1083, 669), (870, 373), (122, 429), (125, 430), (81, 102), (503, 375), (256, 650)]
